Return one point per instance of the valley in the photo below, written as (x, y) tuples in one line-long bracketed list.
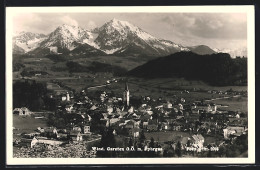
[(119, 86)]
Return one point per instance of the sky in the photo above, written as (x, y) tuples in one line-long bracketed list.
[(217, 30)]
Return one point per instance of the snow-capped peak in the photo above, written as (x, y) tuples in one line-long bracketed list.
[(28, 40), (125, 28), (71, 31), (65, 35), (114, 37), (233, 52)]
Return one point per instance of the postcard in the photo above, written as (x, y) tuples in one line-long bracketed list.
[(130, 85)]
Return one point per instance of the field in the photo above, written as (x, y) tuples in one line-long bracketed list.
[(234, 104), (27, 124), (126, 62)]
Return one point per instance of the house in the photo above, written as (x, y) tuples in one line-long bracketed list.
[(145, 124), (167, 105), (76, 136), (145, 117), (152, 125), (237, 129), (76, 128), (165, 126), (131, 110), (52, 130), (87, 130), (198, 140), (69, 108), (41, 130), (135, 132), (182, 139), (93, 107), (36, 140), (63, 98), (109, 109), (193, 117), (233, 130), (206, 107), (177, 126), (23, 111), (114, 132), (112, 121), (129, 125), (170, 120), (62, 135), (237, 121)]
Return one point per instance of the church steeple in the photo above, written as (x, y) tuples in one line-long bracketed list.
[(126, 87), (126, 95)]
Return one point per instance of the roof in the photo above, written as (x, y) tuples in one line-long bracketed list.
[(135, 129), (22, 108), (181, 139), (152, 122), (74, 133), (198, 137), (184, 140)]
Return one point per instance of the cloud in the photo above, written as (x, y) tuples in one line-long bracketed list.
[(25, 22), (68, 20), (216, 26), (91, 25), (214, 29)]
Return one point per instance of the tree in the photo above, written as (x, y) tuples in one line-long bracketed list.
[(107, 140), (142, 137), (169, 151), (130, 142), (222, 151), (151, 144), (178, 149), (29, 94)]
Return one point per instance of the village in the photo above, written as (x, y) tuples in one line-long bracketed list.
[(145, 124)]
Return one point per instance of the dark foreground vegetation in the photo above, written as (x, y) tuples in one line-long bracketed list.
[(32, 95)]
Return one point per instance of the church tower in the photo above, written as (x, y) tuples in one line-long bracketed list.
[(68, 96), (126, 95)]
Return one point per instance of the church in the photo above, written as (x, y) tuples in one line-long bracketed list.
[(126, 96)]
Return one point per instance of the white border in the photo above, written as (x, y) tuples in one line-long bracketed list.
[(249, 9)]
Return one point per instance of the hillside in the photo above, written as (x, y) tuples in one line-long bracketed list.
[(215, 69), (201, 50)]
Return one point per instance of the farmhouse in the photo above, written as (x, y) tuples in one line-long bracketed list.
[(87, 130), (134, 132), (76, 136), (45, 141), (152, 125), (237, 121), (233, 130), (22, 111), (198, 140)]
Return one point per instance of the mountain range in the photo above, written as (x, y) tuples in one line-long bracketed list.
[(115, 37)]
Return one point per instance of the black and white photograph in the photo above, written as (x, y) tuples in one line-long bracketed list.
[(130, 82)]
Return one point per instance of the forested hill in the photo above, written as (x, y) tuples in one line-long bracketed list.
[(215, 69)]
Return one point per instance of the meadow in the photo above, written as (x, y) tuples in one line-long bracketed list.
[(26, 124)]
